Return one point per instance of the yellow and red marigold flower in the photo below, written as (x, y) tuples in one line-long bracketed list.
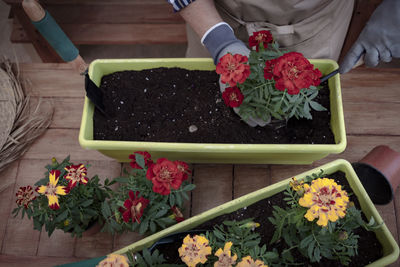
[(164, 175), (194, 250), (76, 174), (296, 185), (147, 159), (261, 37), (249, 262), (233, 97), (293, 72), (326, 201), (52, 190), (233, 69), (25, 196), (177, 214), (114, 260), (225, 258), (134, 207)]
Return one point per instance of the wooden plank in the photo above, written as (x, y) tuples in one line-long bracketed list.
[(53, 80), (67, 111), (125, 239), (375, 85), (59, 244), (372, 118), (21, 238), (282, 172), (359, 146), (23, 260), (136, 13), (249, 178), (125, 33), (7, 196), (90, 2), (97, 245), (213, 186), (60, 143), (387, 213)]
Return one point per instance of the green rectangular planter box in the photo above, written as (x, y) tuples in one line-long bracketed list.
[(211, 153), (390, 247)]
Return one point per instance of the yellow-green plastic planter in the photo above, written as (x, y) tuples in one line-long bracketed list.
[(211, 153), (390, 247)]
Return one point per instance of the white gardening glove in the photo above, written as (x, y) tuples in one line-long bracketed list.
[(379, 40), (220, 40)]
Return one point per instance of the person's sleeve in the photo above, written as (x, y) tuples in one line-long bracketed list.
[(178, 5)]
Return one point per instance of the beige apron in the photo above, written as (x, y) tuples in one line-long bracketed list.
[(316, 28)]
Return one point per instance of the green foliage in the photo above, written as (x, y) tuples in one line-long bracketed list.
[(146, 259), (79, 209), (156, 216), (337, 241), (263, 100)]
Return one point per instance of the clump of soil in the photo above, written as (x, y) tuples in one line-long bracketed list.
[(369, 248), (179, 105)]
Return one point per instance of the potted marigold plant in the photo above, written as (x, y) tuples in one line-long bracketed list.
[(66, 199), (269, 84), (318, 220), (150, 197)]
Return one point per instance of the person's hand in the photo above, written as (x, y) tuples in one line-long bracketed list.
[(220, 40), (379, 40)]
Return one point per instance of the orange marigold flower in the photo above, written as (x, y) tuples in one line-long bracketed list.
[(76, 174), (326, 201), (194, 250), (52, 190), (260, 37), (233, 69), (225, 258), (249, 262), (25, 196), (114, 260)]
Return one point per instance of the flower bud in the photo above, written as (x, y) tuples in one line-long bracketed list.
[(54, 162), (343, 235)]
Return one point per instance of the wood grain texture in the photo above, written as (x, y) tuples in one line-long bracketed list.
[(249, 178), (213, 186)]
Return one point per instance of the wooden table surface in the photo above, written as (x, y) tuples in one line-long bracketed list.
[(371, 100)]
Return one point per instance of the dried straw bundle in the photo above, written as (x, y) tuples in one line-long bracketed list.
[(21, 121)]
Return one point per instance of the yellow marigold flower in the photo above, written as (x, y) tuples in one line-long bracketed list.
[(252, 225), (249, 262), (325, 199), (114, 260), (51, 190), (296, 185), (194, 250), (225, 258)]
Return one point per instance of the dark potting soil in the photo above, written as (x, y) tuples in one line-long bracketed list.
[(369, 248), (162, 104)]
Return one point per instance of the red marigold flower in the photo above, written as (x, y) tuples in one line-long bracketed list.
[(269, 67), (25, 196), (261, 37), (177, 214), (233, 97), (76, 174), (293, 72), (164, 175), (233, 69), (147, 159), (184, 168), (134, 207)]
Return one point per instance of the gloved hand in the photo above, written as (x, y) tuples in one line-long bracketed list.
[(379, 40), (220, 40)]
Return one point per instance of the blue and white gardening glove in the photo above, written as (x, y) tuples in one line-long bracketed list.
[(220, 40), (379, 40)]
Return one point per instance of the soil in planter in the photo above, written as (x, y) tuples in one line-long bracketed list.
[(179, 105), (369, 248)]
